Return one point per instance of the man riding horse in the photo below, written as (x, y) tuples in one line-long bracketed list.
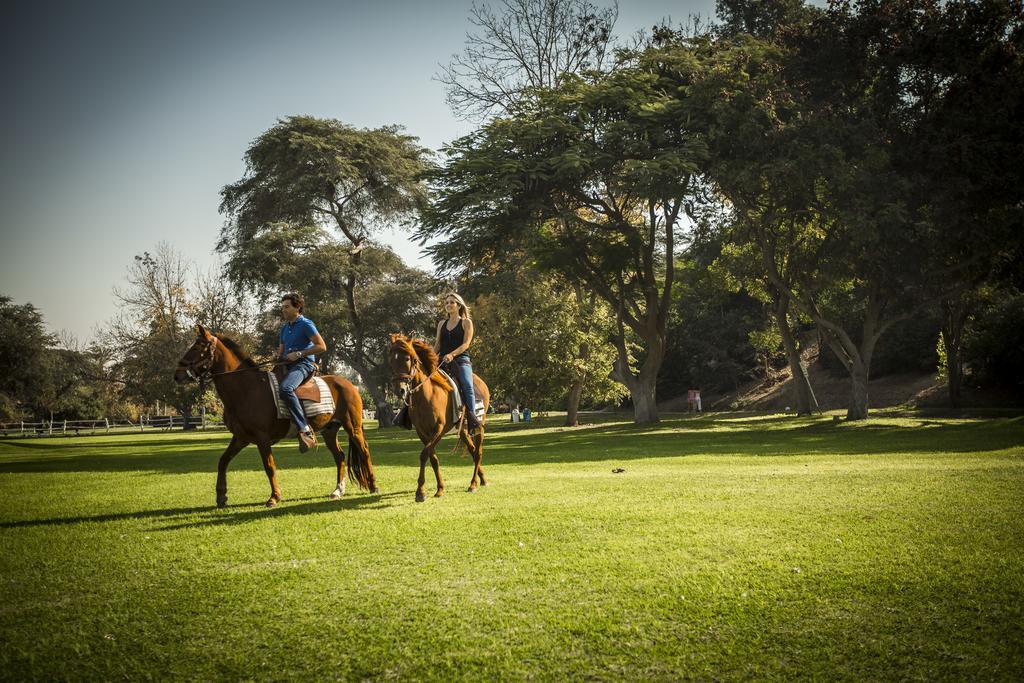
[(299, 343)]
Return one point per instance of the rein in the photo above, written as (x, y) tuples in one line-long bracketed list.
[(208, 372), (419, 386)]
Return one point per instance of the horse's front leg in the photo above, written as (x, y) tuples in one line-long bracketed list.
[(429, 442), (424, 455), (436, 464), (271, 470), (236, 445)]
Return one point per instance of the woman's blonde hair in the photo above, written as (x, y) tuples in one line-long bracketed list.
[(463, 308)]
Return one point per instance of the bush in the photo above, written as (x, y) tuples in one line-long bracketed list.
[(994, 344)]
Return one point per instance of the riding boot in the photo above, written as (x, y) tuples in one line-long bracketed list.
[(306, 441)]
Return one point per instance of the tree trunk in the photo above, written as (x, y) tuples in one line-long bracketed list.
[(641, 386), (186, 413), (576, 390), (954, 373), (573, 404), (385, 415), (645, 409), (852, 359), (801, 384), (858, 408), (954, 316)]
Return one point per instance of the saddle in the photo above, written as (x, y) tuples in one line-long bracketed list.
[(442, 380), (445, 381), (308, 390)]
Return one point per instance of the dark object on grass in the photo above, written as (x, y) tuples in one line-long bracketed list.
[(618, 470)]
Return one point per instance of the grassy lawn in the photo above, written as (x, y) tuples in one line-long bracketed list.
[(732, 547)]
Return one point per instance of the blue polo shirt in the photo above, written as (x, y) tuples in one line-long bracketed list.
[(298, 336)]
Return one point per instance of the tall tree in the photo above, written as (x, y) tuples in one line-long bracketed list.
[(532, 349), (593, 179), (151, 331), (917, 79), (827, 155), (524, 45), (759, 18), (747, 184), (24, 344), (965, 67), (306, 177)]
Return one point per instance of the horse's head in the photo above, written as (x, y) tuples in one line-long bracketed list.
[(404, 364), (198, 360), (408, 359)]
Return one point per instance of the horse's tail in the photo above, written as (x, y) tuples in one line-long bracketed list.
[(358, 461)]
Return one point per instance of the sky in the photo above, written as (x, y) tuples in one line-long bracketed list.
[(122, 121)]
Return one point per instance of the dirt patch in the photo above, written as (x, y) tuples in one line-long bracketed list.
[(777, 394)]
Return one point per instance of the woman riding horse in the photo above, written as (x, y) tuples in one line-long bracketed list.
[(454, 335), (428, 397)]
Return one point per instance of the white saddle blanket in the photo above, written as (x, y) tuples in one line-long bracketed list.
[(324, 406)]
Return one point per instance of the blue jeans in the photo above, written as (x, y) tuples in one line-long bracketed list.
[(297, 373), (461, 370)]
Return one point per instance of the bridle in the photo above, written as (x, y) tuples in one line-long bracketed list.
[(407, 378), (202, 367)]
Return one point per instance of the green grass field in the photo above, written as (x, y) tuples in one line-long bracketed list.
[(732, 547)]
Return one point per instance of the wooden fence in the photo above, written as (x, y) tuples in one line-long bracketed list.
[(164, 423)]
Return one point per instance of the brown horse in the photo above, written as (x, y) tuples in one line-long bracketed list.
[(413, 366), (251, 413)]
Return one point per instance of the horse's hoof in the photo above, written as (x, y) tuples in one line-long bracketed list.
[(439, 493), (271, 503), (222, 502), (374, 489), (471, 489), (335, 495), (420, 497)]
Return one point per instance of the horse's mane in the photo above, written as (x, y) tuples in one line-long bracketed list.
[(417, 348), (237, 349), (426, 355)]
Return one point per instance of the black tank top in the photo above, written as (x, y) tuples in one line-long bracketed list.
[(452, 339)]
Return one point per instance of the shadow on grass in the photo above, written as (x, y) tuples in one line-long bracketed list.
[(139, 455), (236, 513), (296, 507), (721, 434)]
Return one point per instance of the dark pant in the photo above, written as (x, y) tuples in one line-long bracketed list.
[(297, 374), (461, 370)]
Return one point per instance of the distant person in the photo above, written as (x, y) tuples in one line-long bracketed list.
[(527, 414), (454, 335), (299, 343), (693, 400), (515, 415)]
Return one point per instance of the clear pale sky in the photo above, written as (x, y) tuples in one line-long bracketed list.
[(122, 121)]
